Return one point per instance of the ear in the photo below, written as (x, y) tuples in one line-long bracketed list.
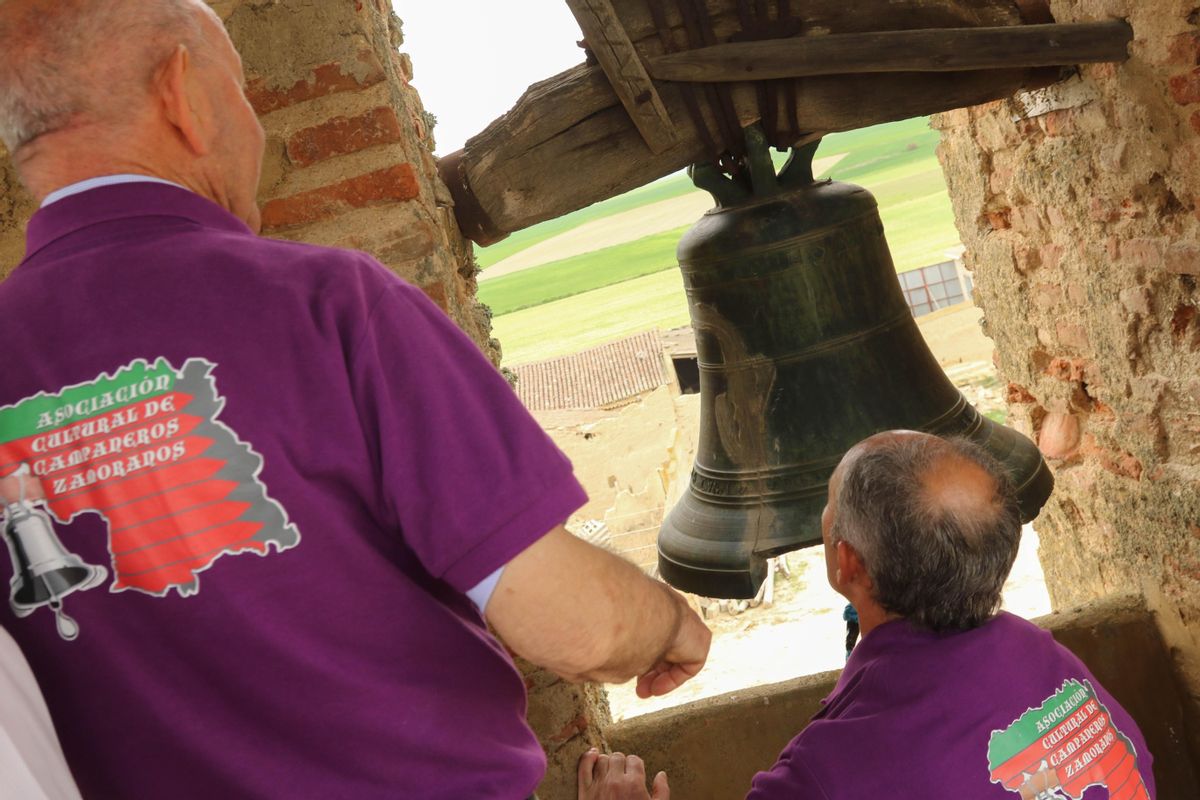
[(850, 568), (184, 102)]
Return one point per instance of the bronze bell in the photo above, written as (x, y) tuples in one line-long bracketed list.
[(806, 346)]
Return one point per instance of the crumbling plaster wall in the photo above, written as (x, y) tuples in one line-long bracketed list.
[(349, 158), (349, 163), (1082, 228)]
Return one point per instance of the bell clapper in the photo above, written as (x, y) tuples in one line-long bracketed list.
[(67, 627)]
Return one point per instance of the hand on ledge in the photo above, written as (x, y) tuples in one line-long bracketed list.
[(618, 777)]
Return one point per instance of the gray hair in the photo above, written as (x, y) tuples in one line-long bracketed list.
[(941, 568), (65, 60)]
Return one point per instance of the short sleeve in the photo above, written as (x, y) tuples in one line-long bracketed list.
[(468, 475), (788, 779)]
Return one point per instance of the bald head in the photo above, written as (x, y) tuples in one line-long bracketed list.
[(105, 87), (935, 521), (72, 62)]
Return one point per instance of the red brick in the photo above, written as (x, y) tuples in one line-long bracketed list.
[(1122, 464), (1185, 328), (1028, 260), (394, 184), (1027, 219), (1185, 88), (1000, 220), (1183, 566), (1182, 319), (1145, 253), (1184, 50), (325, 80), (574, 728), (1051, 256), (415, 240), (1183, 259), (1132, 209), (1058, 123), (1039, 359), (437, 293), (1018, 395), (342, 135), (1047, 295), (1072, 370), (1072, 335)]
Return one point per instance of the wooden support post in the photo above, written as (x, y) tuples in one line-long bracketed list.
[(619, 58), (934, 50)]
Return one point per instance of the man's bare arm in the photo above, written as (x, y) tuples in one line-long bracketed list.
[(586, 614)]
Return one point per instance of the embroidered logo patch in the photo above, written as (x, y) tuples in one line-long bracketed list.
[(142, 447), (1063, 748)]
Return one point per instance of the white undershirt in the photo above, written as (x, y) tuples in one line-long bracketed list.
[(103, 180), (479, 594), (32, 766)]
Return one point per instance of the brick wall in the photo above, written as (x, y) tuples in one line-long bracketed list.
[(349, 146), (349, 163), (1082, 225)]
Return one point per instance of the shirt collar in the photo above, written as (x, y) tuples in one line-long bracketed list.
[(124, 200), (98, 182)]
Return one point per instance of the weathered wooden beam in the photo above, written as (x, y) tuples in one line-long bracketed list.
[(569, 142), (606, 38), (937, 50)]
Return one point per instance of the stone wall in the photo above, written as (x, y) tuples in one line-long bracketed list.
[(349, 158), (349, 163), (1079, 209)]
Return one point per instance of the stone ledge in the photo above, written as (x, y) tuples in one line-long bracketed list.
[(712, 748)]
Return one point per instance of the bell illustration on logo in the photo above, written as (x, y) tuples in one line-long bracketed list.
[(43, 571)]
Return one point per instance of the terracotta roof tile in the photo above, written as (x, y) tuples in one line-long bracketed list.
[(596, 378)]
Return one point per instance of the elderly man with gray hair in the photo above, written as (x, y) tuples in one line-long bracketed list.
[(944, 697), (265, 493)]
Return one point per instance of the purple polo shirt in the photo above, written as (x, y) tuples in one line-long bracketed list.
[(273, 469), (1001, 711)]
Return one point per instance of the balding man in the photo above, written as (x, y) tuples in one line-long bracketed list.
[(265, 492), (944, 697)]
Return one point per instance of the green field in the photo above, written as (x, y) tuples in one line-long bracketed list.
[(592, 318), (588, 299), (582, 273), (664, 189)]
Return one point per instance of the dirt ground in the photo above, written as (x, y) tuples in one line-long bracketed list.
[(954, 335)]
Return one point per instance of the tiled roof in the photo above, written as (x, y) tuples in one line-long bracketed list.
[(680, 342), (597, 378)]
